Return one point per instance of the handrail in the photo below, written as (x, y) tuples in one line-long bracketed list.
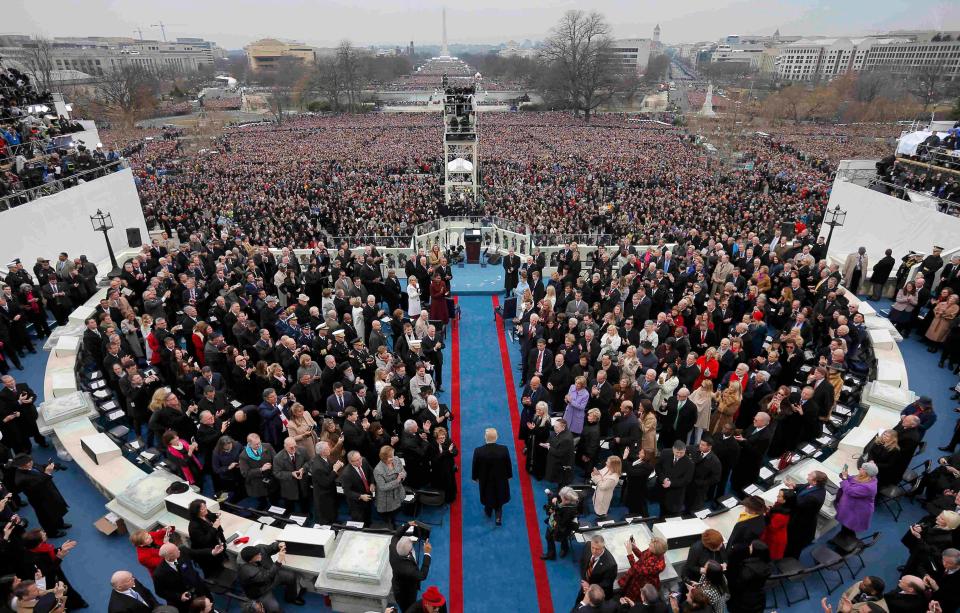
[(944, 206), (27, 195), (554, 240), (868, 178), (487, 220)]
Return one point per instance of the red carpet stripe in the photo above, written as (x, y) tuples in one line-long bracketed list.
[(455, 600), (544, 599)]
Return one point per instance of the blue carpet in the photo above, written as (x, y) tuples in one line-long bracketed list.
[(493, 558)]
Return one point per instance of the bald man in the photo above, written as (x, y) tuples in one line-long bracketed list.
[(129, 595), (176, 579)]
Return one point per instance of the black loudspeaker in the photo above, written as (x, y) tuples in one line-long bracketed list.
[(133, 237)]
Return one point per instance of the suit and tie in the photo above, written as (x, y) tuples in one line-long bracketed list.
[(753, 450), (679, 472), (172, 580), (137, 599), (597, 570), (357, 481)]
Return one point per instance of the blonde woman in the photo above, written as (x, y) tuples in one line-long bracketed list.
[(610, 341), (154, 429), (146, 327), (702, 398), (551, 297), (884, 451), (413, 297), (380, 380), (308, 367), (648, 428), (728, 403), (356, 311), (332, 435), (302, 428), (629, 364), (605, 481)]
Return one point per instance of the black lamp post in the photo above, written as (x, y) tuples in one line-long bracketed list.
[(834, 218), (104, 223)]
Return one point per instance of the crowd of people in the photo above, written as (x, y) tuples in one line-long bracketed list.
[(270, 380), (659, 363), (381, 174), (326, 395), (31, 151)]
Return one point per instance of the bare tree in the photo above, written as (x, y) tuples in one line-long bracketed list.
[(870, 85), (326, 82), (348, 61), (278, 100), (38, 61), (578, 56), (927, 83), (127, 92), (656, 68)]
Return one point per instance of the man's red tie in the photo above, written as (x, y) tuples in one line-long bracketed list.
[(363, 477)]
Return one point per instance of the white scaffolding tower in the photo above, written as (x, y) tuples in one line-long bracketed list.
[(461, 158)]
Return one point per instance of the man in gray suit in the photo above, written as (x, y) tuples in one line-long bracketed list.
[(64, 266), (578, 306), (289, 467)]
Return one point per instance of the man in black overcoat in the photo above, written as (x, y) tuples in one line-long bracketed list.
[(42, 493), (492, 470)]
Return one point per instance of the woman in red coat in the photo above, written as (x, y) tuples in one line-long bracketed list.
[(197, 341), (709, 367), (775, 534), (148, 546), (438, 300), (645, 567)]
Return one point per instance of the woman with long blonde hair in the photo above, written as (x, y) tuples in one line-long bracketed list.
[(605, 481), (728, 403)]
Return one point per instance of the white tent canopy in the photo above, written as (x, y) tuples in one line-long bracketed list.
[(459, 165)]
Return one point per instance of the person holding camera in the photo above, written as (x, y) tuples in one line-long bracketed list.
[(407, 574), (42, 493), (177, 580), (562, 511), (256, 466), (259, 574)]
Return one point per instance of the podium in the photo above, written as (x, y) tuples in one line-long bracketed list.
[(472, 237)]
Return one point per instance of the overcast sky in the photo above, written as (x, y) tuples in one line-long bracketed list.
[(233, 23)]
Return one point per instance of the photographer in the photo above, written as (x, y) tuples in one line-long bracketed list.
[(177, 580), (43, 494), (562, 511), (258, 575)]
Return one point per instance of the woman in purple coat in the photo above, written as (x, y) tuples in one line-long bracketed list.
[(577, 397), (855, 498)]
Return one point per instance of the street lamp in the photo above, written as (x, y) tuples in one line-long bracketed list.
[(104, 223), (834, 218)]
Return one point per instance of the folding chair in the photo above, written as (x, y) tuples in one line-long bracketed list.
[(793, 572), (430, 498), (827, 559)]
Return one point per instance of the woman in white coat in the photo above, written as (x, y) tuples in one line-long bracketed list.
[(605, 481), (413, 297), (702, 397), (668, 385)]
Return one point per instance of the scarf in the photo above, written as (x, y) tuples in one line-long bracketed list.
[(190, 462), (255, 456)]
